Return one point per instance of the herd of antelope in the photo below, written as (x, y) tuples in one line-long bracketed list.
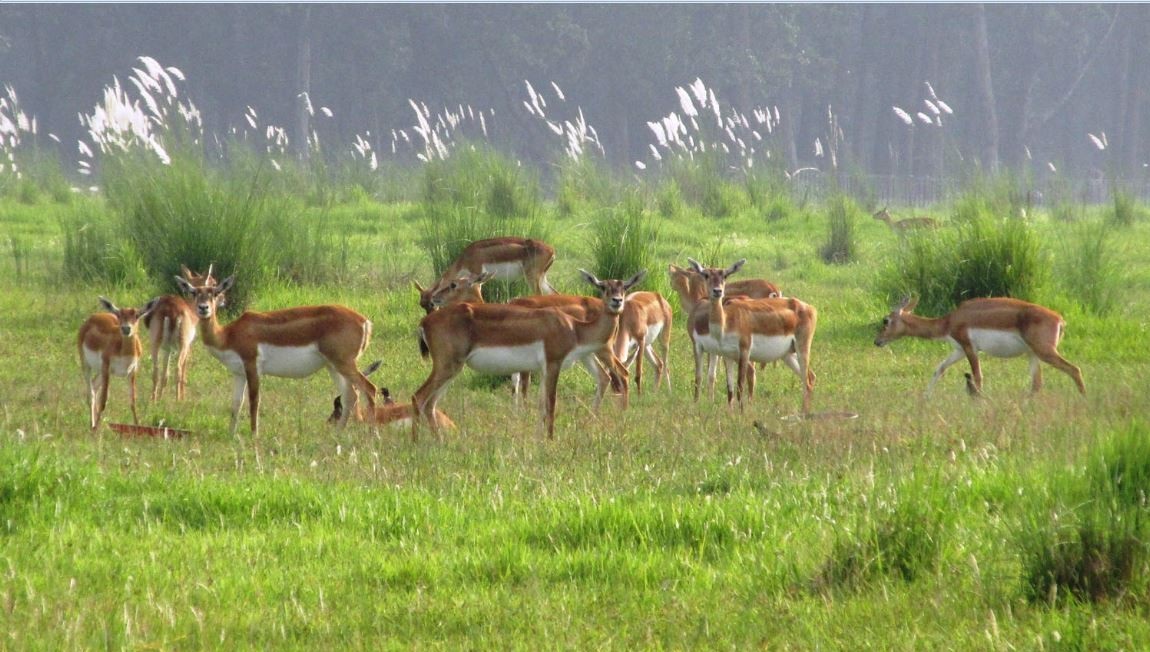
[(742, 322)]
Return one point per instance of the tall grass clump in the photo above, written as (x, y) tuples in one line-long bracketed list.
[(624, 242), (95, 251), (902, 541), (841, 246), (184, 213), (769, 197), (1126, 210), (472, 195), (583, 183), (702, 185), (1088, 270), (982, 257), (1091, 544)]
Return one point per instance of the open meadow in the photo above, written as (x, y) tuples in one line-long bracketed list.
[(1012, 521)]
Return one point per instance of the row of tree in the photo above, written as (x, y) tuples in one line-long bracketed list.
[(1017, 85)]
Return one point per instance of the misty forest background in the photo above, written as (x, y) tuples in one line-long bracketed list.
[(1041, 90)]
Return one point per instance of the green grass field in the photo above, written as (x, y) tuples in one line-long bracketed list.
[(672, 524)]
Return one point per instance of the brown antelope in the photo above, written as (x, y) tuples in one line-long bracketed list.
[(646, 319), (109, 344), (909, 224), (505, 339), (291, 343), (693, 296), (171, 325), (390, 413), (758, 330), (1001, 327), (468, 288), (504, 258)]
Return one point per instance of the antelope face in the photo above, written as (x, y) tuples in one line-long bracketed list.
[(613, 292), (715, 278), (205, 298), (129, 318), (893, 326), (465, 288)]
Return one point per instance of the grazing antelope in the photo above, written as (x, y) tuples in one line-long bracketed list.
[(171, 325), (397, 415), (504, 258), (505, 339), (468, 288), (109, 344), (1001, 327), (292, 343), (693, 296), (909, 224), (758, 330)]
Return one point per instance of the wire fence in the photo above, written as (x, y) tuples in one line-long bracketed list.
[(882, 190)]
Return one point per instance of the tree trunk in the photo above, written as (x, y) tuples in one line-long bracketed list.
[(989, 154)]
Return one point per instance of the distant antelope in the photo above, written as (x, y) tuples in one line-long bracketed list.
[(291, 343), (757, 330), (109, 344), (390, 413), (909, 224), (503, 339), (171, 325), (1002, 327), (503, 258)]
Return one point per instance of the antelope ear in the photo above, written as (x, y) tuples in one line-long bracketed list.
[(483, 277), (635, 280), (737, 266), (187, 273), (225, 286), (694, 265), (146, 310), (108, 305), (183, 283), (590, 278), (418, 288), (909, 304)]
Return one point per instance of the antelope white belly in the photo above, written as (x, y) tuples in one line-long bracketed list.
[(230, 359), (503, 360), (653, 332), (578, 353), (768, 348), (1000, 344), (708, 344), (117, 366), (504, 270), (289, 361)]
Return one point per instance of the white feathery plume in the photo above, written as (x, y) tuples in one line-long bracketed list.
[(932, 106), (685, 103), (903, 115), (930, 89), (530, 109), (818, 148), (1097, 141), (558, 91), (176, 72), (641, 165), (54, 137), (944, 106), (1027, 150), (715, 107), (84, 149), (326, 111), (924, 118), (1050, 164), (655, 152), (699, 89)]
